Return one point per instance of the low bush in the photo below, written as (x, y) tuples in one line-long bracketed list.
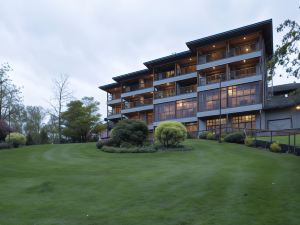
[(275, 147), (4, 145), (210, 136), (126, 145), (236, 137), (170, 133), (134, 132), (249, 141), (203, 135), (16, 139), (99, 144), (108, 142), (144, 149)]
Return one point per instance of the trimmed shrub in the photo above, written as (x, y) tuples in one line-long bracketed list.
[(203, 135), (249, 141), (108, 142), (134, 132), (144, 149), (16, 139), (210, 136), (4, 145), (126, 145), (99, 144), (170, 133), (236, 137), (275, 147)]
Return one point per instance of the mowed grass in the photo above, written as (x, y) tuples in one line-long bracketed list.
[(284, 139), (214, 183)]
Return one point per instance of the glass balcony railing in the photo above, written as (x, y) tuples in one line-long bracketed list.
[(244, 72), (164, 93), (233, 51), (186, 70), (136, 87), (164, 75), (113, 112), (188, 89), (133, 104), (114, 96), (212, 79)]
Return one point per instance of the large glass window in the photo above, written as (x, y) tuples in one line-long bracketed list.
[(192, 129), (233, 96), (165, 111), (186, 108), (213, 124), (246, 121)]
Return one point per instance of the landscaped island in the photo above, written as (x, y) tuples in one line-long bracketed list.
[(211, 184)]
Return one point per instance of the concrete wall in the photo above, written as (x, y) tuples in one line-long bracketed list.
[(282, 114)]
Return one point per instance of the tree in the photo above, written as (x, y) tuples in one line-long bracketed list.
[(44, 139), (33, 122), (4, 130), (287, 54), (51, 128), (80, 118), (10, 95), (61, 95)]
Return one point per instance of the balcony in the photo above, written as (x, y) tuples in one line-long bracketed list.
[(164, 75), (164, 93), (114, 113), (113, 96), (134, 104), (222, 57), (212, 79), (244, 72), (136, 87), (188, 89)]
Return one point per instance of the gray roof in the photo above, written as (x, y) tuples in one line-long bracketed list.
[(128, 76), (280, 101), (285, 87), (168, 59), (265, 26), (108, 86)]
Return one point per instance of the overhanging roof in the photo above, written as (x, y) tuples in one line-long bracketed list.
[(264, 26), (109, 86), (285, 87), (132, 75), (168, 59)]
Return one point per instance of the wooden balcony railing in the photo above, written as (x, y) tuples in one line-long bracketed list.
[(140, 86), (133, 104), (188, 89)]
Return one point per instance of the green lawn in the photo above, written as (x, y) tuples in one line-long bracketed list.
[(214, 183), (283, 139)]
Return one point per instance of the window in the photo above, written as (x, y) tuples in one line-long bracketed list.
[(209, 100), (246, 94), (165, 111), (186, 108), (192, 129), (241, 122), (213, 124)]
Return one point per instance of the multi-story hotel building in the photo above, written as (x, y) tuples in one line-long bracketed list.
[(185, 86)]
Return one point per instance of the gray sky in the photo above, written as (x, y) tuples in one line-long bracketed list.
[(94, 40)]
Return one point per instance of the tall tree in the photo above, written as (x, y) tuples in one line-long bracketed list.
[(61, 95), (10, 95), (287, 54), (51, 129), (80, 118), (33, 123)]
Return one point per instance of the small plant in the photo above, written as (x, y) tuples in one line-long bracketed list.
[(210, 136), (236, 137), (16, 139), (170, 133), (275, 147), (99, 144), (203, 135), (249, 141)]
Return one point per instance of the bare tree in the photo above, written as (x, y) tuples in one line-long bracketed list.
[(61, 96)]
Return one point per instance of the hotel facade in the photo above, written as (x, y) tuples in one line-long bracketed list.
[(221, 80)]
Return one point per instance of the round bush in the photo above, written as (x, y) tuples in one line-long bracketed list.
[(210, 136), (134, 132), (249, 141), (203, 135), (170, 133), (275, 147), (16, 139), (99, 144), (236, 137)]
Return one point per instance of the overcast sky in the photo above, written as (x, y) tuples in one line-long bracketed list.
[(94, 40)]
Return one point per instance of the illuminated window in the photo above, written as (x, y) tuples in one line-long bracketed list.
[(246, 121)]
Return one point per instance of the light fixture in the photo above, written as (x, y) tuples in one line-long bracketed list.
[(247, 49), (244, 38), (244, 60), (214, 67), (214, 46), (190, 59), (298, 107)]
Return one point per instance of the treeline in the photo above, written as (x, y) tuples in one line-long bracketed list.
[(65, 120)]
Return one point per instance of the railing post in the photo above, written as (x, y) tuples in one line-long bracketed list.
[(289, 142), (294, 142), (271, 136)]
